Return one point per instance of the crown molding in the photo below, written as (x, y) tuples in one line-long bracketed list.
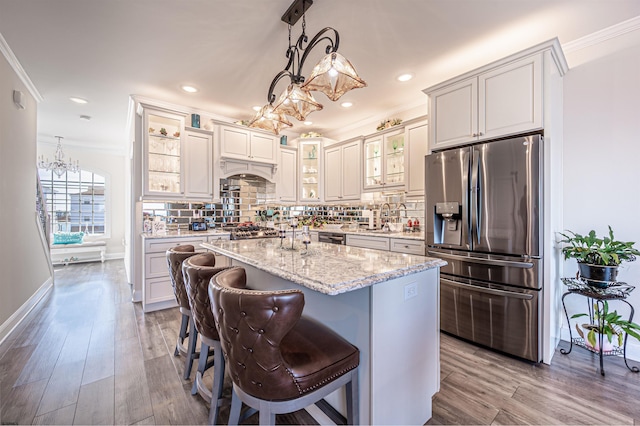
[(603, 35), (117, 150), (17, 68), (374, 120)]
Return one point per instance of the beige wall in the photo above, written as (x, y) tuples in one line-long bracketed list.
[(23, 262)]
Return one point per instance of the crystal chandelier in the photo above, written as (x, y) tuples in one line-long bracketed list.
[(333, 75), (58, 165)]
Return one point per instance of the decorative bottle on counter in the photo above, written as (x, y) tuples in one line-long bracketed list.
[(147, 226)]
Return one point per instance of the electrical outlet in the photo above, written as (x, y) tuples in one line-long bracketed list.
[(410, 291)]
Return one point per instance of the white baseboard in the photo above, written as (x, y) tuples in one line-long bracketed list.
[(113, 256), (633, 346), (14, 320)]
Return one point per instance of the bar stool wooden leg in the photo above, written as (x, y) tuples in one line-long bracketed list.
[(184, 333), (218, 380), (191, 351)]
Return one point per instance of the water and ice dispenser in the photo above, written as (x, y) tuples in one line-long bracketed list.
[(447, 223)]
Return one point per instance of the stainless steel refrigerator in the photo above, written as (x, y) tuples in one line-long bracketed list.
[(484, 217)]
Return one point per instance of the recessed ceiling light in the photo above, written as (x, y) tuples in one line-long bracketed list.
[(405, 77), (85, 117), (79, 100), (257, 108), (346, 104), (308, 123), (189, 89)]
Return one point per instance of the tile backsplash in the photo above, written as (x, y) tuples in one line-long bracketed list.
[(252, 198)]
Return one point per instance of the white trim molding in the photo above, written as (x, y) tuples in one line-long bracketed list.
[(603, 35), (17, 68), (18, 316)]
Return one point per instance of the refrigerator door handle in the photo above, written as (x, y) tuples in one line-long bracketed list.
[(493, 291), (510, 263), (475, 195)]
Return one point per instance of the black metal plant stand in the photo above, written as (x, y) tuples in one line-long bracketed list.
[(613, 291)]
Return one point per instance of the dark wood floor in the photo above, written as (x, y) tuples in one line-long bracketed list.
[(87, 355)]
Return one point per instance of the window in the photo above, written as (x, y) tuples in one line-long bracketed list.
[(75, 201)]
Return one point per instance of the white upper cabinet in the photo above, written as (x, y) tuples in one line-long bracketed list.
[(510, 98), (332, 174), (454, 114), (342, 171), (244, 144), (417, 146), (287, 186), (162, 155), (198, 160), (351, 170), (310, 170), (384, 161), (177, 161), (499, 101)]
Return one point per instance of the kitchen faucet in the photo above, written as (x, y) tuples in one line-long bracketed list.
[(398, 211)]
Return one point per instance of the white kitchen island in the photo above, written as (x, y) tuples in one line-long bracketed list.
[(385, 303)]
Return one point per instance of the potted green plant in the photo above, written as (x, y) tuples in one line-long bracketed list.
[(609, 324), (598, 258)]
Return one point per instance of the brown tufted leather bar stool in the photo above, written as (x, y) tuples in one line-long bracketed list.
[(197, 271), (278, 360), (175, 256)]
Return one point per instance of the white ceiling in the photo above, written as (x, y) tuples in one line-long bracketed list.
[(230, 50)]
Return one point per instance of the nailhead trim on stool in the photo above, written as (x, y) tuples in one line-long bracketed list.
[(197, 271), (175, 257), (279, 361)]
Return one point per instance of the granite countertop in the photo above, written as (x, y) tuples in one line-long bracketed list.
[(184, 234), (328, 268)]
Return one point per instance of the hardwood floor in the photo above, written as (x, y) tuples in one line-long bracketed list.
[(87, 355), (478, 386)]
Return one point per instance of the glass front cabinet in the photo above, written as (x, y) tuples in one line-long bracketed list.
[(384, 161), (162, 163), (310, 156)]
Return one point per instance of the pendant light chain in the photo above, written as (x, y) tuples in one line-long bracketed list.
[(333, 75)]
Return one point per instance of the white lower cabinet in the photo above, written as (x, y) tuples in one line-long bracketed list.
[(401, 245), (378, 243), (398, 245), (157, 292)]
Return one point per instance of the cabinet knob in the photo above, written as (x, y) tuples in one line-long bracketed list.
[(480, 134), (475, 135)]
